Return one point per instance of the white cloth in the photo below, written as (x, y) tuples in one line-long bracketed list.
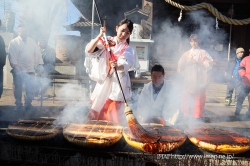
[(110, 87), (163, 106), (96, 65), (198, 55), (24, 56), (136, 66)]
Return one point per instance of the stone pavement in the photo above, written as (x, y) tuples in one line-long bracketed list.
[(69, 105), (48, 108)]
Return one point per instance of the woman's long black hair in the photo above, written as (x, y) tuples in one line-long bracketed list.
[(129, 24)]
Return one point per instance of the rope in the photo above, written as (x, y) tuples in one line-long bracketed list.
[(213, 10)]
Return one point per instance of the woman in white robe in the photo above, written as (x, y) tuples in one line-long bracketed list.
[(107, 98), (194, 67)]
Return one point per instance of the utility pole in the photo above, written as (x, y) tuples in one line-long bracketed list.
[(230, 35), (93, 19)]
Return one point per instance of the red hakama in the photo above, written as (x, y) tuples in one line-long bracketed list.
[(193, 104), (109, 111)]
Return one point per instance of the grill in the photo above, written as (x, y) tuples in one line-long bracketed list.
[(57, 151)]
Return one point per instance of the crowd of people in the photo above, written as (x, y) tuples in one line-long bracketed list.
[(114, 63), (237, 76), (156, 100)]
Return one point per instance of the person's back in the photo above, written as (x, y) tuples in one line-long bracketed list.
[(2, 52), (2, 62), (48, 55), (42, 81), (245, 73)]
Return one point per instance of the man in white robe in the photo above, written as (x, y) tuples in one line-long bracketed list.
[(156, 104), (24, 57)]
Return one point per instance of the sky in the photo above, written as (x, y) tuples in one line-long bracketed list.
[(67, 14)]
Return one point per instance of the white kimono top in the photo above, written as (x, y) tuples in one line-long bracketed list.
[(164, 106), (110, 87), (195, 75), (136, 66), (24, 55)]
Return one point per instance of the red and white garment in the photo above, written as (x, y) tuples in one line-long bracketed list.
[(193, 67), (110, 90)]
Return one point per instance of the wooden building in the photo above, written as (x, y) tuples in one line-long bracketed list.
[(114, 10), (234, 35)]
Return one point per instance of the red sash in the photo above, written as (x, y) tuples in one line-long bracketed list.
[(112, 43)]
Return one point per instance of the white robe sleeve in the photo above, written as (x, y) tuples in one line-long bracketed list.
[(137, 66), (37, 55), (127, 59), (96, 63), (13, 54), (143, 104), (171, 107), (208, 62)]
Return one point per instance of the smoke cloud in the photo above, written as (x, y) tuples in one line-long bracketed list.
[(45, 20), (172, 40), (78, 104)]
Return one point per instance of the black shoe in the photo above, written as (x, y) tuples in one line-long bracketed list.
[(18, 108), (248, 113), (28, 107), (236, 113)]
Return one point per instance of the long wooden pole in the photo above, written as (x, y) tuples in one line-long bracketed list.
[(136, 129), (109, 50), (93, 19)]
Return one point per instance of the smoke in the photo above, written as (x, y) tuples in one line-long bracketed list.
[(172, 40), (112, 10), (78, 104), (45, 18), (67, 14)]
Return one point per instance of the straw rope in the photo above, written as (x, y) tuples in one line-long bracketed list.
[(213, 10)]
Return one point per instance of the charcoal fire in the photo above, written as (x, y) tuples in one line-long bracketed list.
[(217, 140), (33, 130), (93, 134)]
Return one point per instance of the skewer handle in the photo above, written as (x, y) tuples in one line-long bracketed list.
[(108, 48), (104, 22)]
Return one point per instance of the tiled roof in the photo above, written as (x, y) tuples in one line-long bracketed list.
[(136, 10), (81, 23)]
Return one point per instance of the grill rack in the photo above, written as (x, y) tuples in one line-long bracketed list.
[(11, 154), (36, 155), (58, 152), (14, 152)]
